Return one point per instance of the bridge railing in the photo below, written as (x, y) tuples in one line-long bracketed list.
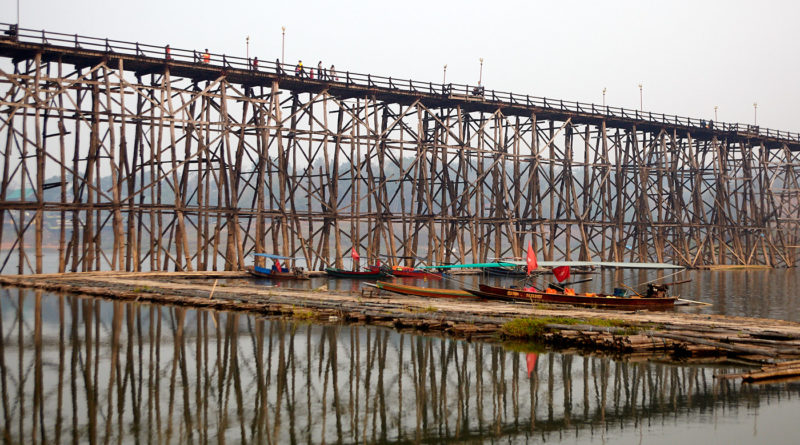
[(466, 92)]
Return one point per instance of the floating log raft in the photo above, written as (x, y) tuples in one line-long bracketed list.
[(633, 334), (768, 373)]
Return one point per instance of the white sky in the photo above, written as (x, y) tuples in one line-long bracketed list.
[(689, 55)]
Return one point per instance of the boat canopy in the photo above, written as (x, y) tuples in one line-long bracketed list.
[(471, 265), (621, 265), (274, 257)]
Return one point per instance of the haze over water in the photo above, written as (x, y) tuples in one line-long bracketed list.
[(86, 370)]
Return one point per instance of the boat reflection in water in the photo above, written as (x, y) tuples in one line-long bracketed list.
[(84, 370)]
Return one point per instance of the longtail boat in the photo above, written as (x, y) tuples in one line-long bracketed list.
[(404, 271), (422, 291), (284, 274), (502, 271), (277, 272), (374, 272), (655, 298)]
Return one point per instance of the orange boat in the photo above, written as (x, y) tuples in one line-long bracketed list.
[(422, 291)]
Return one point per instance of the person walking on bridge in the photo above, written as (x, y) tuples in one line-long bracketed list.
[(298, 70), (206, 56), (332, 73), (255, 64)]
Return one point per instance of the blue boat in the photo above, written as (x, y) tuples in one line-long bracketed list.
[(277, 272)]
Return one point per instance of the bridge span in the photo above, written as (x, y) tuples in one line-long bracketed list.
[(129, 156)]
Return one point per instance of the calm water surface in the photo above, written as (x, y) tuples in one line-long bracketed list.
[(85, 370), (752, 293)]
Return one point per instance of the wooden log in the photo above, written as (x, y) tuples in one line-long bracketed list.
[(716, 344), (772, 374)]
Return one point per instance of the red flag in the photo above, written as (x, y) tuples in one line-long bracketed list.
[(531, 359), (561, 273), (354, 254), (532, 263)]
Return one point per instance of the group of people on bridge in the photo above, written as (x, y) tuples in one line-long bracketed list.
[(299, 71), (707, 124), (322, 73)]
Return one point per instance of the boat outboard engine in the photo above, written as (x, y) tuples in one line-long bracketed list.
[(556, 286), (657, 291)]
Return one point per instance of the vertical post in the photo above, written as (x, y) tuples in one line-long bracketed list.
[(62, 252), (137, 159), (262, 147), (117, 249), (94, 143), (334, 175), (40, 167), (124, 172)]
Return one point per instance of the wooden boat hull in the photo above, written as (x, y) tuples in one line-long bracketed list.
[(261, 272), (512, 272), (408, 272), (419, 291), (597, 300), (356, 275)]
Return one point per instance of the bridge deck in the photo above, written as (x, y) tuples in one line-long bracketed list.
[(142, 59)]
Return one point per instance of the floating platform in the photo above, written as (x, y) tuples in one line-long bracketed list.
[(632, 334)]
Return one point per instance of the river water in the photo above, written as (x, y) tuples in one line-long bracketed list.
[(87, 370), (763, 293)]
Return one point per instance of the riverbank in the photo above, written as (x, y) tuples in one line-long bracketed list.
[(633, 334)]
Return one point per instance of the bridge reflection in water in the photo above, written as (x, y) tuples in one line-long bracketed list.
[(84, 370)]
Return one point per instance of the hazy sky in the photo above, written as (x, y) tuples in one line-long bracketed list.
[(689, 55)]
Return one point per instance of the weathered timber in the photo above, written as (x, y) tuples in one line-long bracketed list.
[(778, 371), (181, 165)]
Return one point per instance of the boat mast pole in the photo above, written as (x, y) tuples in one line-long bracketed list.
[(659, 279)]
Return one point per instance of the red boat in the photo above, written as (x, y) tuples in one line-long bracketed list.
[(655, 298), (373, 272), (404, 271)]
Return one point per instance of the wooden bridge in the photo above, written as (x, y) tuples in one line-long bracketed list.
[(127, 156)]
